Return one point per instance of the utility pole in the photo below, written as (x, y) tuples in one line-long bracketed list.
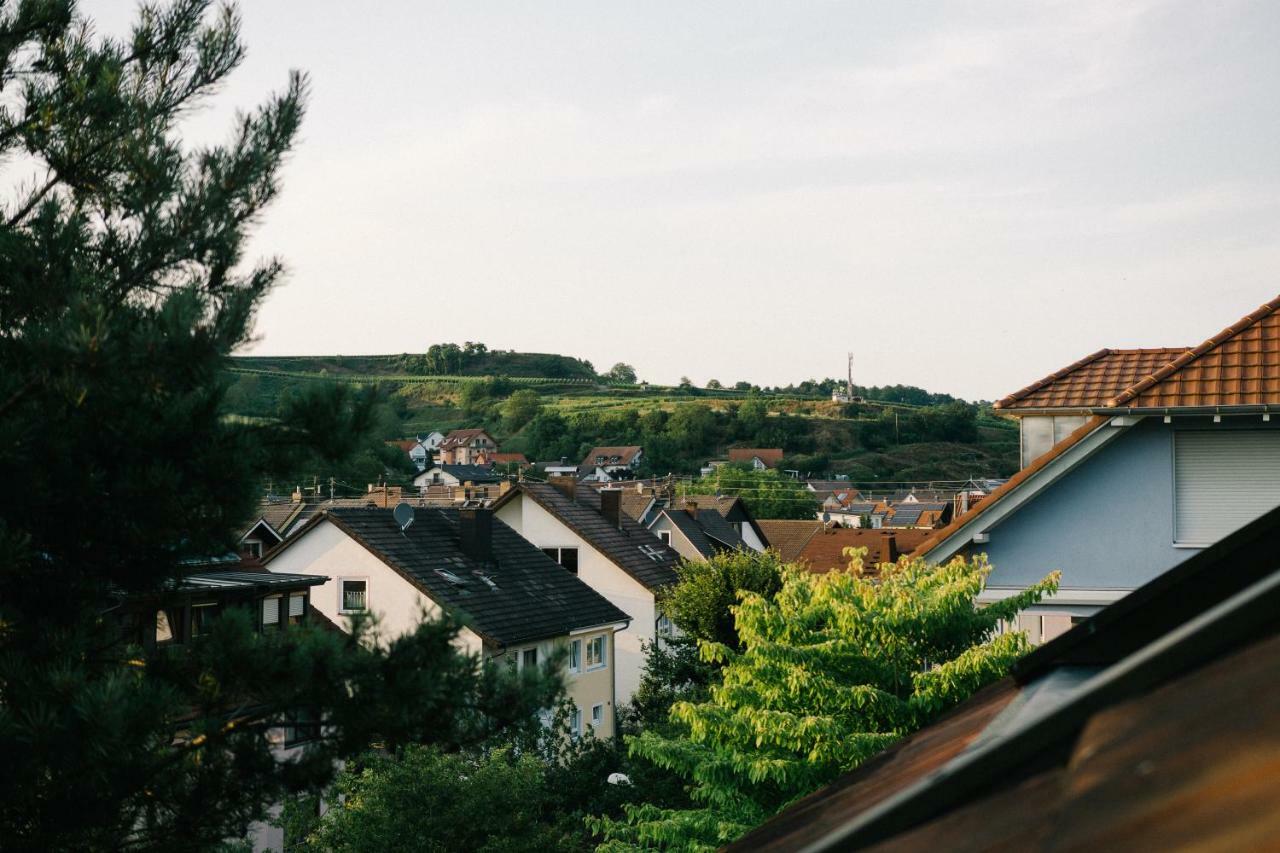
[(849, 387), (331, 484)]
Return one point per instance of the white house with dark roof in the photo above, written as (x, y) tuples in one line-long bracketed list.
[(603, 464), (513, 603), (587, 531)]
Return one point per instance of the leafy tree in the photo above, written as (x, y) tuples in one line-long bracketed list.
[(750, 417), (743, 386), (831, 671), (622, 373), (700, 602), (693, 427), (686, 382), (768, 494), (521, 407), (714, 384), (121, 298)]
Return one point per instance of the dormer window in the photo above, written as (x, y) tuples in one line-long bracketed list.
[(600, 460)]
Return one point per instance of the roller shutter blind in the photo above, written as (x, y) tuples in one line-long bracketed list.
[(1222, 481)]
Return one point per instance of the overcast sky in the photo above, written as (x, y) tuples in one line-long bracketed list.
[(966, 195)]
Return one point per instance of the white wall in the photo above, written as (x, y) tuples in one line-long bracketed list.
[(600, 573), (749, 536), (326, 551), (680, 542)]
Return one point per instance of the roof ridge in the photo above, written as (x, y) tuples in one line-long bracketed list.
[(1051, 378), (1212, 343)]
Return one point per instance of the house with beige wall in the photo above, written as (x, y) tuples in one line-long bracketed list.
[(587, 532), (514, 603)]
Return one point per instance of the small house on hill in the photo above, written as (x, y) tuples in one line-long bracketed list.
[(759, 458)]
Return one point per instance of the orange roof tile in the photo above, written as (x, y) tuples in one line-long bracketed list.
[(770, 456), (1239, 366), (1092, 381)]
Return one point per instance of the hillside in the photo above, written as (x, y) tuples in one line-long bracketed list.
[(563, 408)]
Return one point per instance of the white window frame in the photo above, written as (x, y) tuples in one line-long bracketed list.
[(575, 721), (603, 640), (575, 656), (597, 715), (342, 594)]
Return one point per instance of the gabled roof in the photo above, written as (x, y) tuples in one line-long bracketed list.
[(620, 455), (824, 551), (509, 458), (1010, 486), (463, 473), (1092, 381), (460, 437), (788, 536), (1239, 366), (635, 550), (1164, 747), (709, 533), (531, 597), (770, 456)]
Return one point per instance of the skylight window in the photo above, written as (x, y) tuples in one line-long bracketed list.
[(451, 577), (488, 581)]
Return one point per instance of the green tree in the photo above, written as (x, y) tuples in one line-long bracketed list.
[(832, 670), (122, 296), (714, 384), (693, 427), (700, 603), (768, 494), (521, 407), (622, 373), (750, 417)]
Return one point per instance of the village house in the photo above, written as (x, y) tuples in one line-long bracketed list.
[(456, 484), (1150, 725), (467, 447), (515, 604), (603, 464), (759, 458), (732, 509), (695, 532), (1132, 461), (586, 531)]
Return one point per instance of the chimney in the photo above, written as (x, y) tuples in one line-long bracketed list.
[(567, 486), (640, 487), (691, 507), (475, 533), (888, 547), (611, 506)]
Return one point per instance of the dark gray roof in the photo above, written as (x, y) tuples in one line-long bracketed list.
[(709, 532), (633, 549), (468, 473), (246, 580), (531, 597)]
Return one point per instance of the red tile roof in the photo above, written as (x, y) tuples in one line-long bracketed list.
[(508, 458), (770, 456), (624, 453), (1239, 366), (824, 552), (1092, 381)]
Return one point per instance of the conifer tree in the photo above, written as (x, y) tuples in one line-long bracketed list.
[(830, 671), (123, 290)]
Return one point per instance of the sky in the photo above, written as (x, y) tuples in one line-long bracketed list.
[(967, 196)]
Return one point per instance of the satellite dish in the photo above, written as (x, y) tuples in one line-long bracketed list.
[(403, 514)]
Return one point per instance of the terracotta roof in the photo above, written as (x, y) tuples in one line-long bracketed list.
[(1239, 366), (824, 551), (788, 537), (1009, 486), (508, 458), (624, 455), (636, 504), (1092, 381), (770, 456), (459, 437)]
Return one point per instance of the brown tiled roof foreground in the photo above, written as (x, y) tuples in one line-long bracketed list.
[(824, 551), (788, 537), (1093, 380), (1239, 366)]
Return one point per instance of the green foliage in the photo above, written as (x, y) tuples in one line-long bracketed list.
[(122, 295), (700, 602), (831, 671), (621, 373), (520, 408), (767, 494), (423, 799)]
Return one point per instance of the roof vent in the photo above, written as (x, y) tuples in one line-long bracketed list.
[(451, 578), (488, 580)]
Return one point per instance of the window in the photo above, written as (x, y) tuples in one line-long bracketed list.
[(271, 612), (566, 557), (354, 596), (202, 618), (575, 656), (297, 607), (665, 536), (665, 628), (1222, 480), (300, 727), (595, 652), (168, 625), (597, 715), (528, 658), (575, 721), (253, 549)]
